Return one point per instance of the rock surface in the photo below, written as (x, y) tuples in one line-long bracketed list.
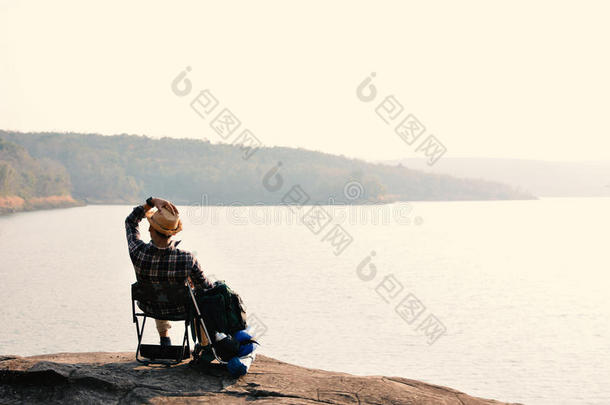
[(116, 378)]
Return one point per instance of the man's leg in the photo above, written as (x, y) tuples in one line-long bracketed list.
[(204, 339), (163, 328)]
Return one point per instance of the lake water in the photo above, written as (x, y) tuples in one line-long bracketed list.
[(521, 288)]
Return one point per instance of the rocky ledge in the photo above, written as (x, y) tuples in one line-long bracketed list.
[(116, 378)]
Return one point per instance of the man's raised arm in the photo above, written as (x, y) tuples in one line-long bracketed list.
[(131, 226)]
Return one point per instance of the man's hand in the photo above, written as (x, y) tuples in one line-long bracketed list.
[(159, 203)]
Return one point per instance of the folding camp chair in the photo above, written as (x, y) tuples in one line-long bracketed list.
[(149, 293), (179, 294)]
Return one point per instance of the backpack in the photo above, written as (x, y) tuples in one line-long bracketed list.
[(222, 310)]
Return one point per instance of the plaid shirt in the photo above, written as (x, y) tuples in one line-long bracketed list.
[(160, 265)]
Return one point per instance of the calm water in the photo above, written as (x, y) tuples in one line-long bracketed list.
[(521, 287)]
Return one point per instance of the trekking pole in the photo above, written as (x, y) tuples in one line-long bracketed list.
[(205, 329)]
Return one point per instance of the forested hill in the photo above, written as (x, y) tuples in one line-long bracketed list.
[(129, 168), (28, 183), (22, 175)]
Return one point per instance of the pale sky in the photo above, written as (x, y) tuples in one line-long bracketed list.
[(514, 79)]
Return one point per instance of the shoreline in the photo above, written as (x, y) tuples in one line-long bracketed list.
[(14, 204)]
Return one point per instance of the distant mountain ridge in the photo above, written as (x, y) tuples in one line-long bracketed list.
[(128, 168), (542, 178)]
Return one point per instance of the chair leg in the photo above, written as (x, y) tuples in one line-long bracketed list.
[(140, 334), (185, 342)]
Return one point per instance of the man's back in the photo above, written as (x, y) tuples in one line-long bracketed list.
[(157, 265)]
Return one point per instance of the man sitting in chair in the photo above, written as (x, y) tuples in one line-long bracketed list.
[(160, 261)]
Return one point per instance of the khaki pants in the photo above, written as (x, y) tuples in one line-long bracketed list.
[(162, 326)]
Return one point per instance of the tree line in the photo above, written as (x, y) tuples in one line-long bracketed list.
[(128, 168)]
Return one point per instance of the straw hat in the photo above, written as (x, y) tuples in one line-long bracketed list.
[(164, 221)]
